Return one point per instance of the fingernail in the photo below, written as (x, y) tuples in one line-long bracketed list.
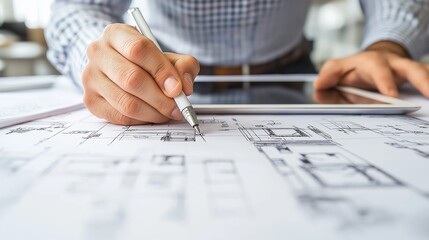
[(176, 114), (170, 84), (190, 80)]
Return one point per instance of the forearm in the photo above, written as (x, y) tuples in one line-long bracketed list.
[(75, 24)]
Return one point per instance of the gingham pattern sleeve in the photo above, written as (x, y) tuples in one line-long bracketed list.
[(74, 25), (405, 22), (227, 32), (223, 32)]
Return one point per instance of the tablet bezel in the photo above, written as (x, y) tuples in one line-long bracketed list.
[(393, 106)]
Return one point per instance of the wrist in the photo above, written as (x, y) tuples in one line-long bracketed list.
[(389, 47)]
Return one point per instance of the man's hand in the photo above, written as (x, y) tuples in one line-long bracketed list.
[(384, 66), (129, 81)]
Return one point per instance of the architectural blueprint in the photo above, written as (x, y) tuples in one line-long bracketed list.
[(255, 177)]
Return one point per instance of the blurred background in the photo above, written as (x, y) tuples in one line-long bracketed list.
[(336, 26)]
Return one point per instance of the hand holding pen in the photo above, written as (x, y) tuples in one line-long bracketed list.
[(182, 101), (129, 81)]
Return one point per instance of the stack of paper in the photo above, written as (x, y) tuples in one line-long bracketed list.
[(23, 106)]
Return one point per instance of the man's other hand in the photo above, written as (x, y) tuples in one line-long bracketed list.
[(385, 66)]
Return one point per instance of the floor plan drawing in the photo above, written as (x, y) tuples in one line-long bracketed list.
[(418, 147), (255, 177), (226, 193)]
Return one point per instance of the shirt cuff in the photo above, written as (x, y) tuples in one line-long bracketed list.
[(402, 34)]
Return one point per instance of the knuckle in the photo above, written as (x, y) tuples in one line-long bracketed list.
[(128, 105), (88, 100), (373, 54), (377, 60), (331, 64), (192, 61), (92, 49), (370, 54), (111, 28), (86, 76), (136, 48), (329, 67), (132, 79)]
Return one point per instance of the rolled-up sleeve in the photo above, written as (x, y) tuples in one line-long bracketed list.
[(405, 22), (73, 26)]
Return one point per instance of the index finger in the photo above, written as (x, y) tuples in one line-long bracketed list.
[(142, 51)]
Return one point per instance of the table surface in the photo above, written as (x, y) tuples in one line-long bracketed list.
[(410, 94), (255, 177)]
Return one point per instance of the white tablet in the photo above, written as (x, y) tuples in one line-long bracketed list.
[(287, 94)]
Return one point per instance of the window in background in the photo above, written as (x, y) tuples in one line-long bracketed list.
[(25, 20), (336, 26), (34, 13)]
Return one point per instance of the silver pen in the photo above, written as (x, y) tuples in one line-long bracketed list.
[(182, 101)]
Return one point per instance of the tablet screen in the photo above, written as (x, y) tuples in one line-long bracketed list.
[(271, 93)]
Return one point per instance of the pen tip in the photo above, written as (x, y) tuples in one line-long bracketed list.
[(198, 130)]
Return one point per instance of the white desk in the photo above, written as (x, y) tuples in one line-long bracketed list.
[(412, 95), (257, 177)]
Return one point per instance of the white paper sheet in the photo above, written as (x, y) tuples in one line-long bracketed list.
[(257, 177), (23, 106)]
